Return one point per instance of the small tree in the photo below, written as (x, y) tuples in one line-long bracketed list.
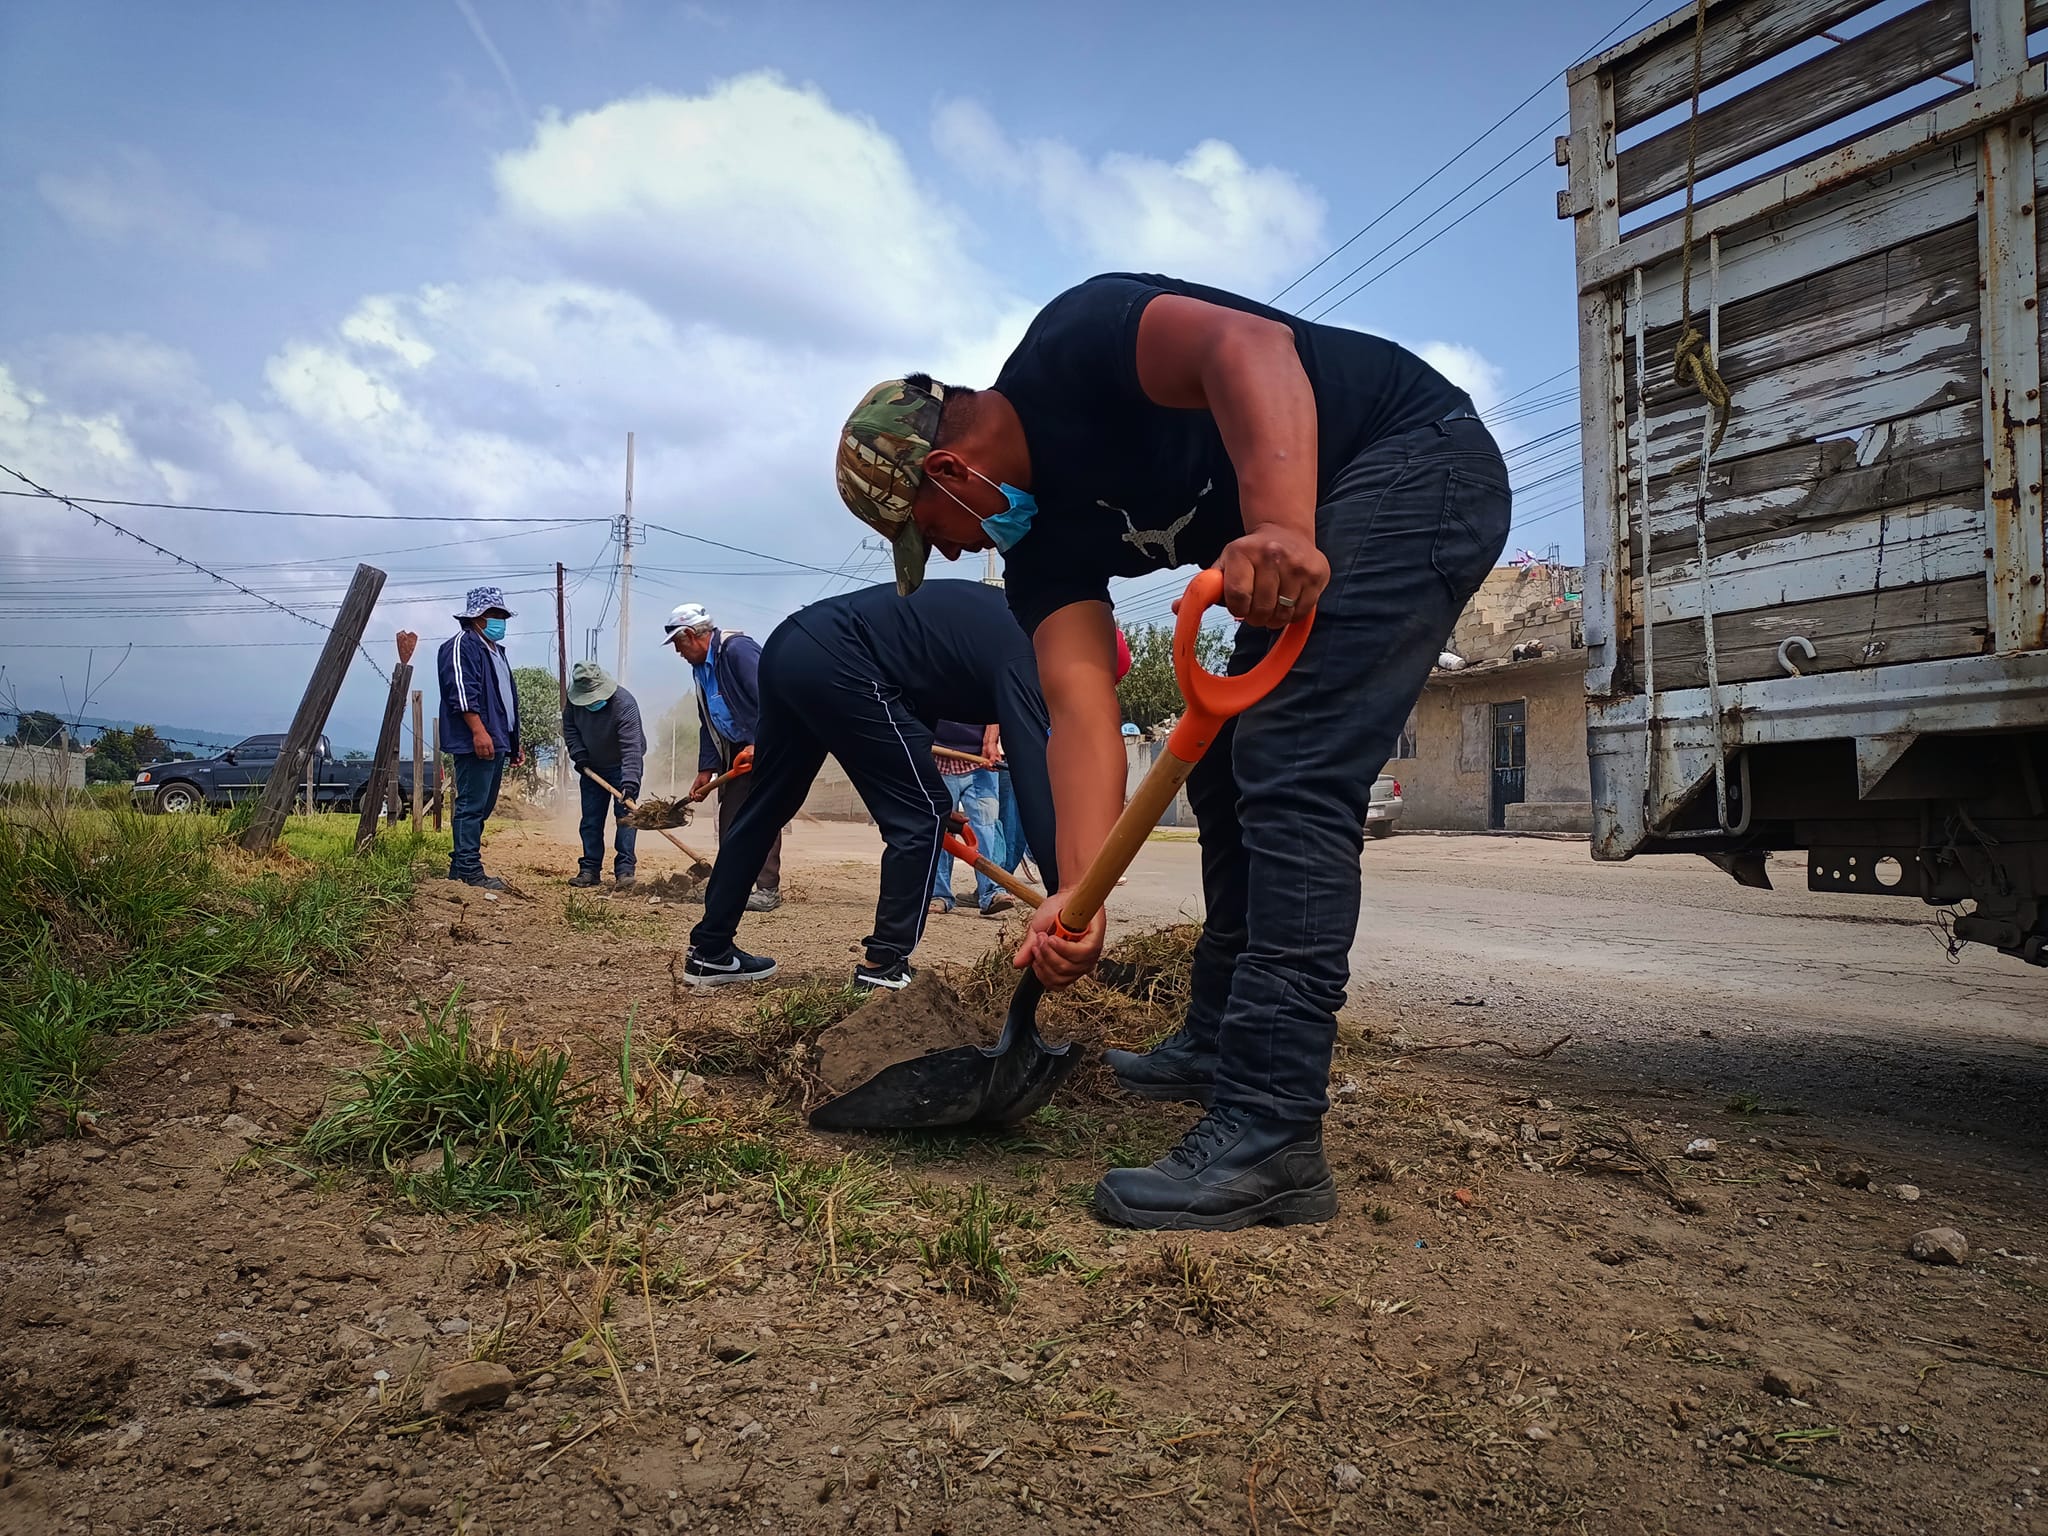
[(540, 718), (149, 747), (1148, 694), (40, 728)]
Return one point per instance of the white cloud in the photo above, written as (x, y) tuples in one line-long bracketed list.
[(137, 199), (1209, 216), (1467, 368), (758, 205)]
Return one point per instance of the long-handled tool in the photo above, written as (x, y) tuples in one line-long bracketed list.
[(962, 844), (991, 1086), (700, 867), (740, 769)]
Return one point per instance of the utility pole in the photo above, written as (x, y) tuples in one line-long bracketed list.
[(561, 665), (989, 578), (625, 570)]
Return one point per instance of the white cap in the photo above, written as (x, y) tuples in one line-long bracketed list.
[(685, 616)]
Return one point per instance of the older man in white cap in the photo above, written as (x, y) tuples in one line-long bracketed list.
[(727, 669), (601, 728)]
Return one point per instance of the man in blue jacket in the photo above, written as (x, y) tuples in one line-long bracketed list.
[(727, 669), (601, 728), (479, 725)]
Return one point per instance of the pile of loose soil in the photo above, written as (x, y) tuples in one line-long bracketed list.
[(925, 1016), (677, 887), (653, 813)]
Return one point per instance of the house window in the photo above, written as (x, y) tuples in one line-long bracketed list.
[(1405, 748)]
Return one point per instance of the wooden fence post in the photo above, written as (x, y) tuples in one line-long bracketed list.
[(418, 778), (311, 718), (384, 762), (440, 775)]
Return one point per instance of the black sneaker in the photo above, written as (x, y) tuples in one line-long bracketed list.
[(584, 878), (622, 882), (1232, 1170), (1178, 1068), (481, 882), (892, 978), (704, 969), (763, 901)]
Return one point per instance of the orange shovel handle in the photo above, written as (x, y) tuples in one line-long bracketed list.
[(1211, 701)]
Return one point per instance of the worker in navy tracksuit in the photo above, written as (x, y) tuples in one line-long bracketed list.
[(866, 677), (479, 726)]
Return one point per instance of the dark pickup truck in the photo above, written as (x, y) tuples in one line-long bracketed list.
[(238, 774)]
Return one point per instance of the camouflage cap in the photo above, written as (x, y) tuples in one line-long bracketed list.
[(881, 467)]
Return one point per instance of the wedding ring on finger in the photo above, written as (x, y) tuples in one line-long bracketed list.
[(1284, 602)]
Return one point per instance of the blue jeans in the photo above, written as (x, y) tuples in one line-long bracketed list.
[(1410, 527), (1010, 824), (974, 793), (476, 796), (596, 802)]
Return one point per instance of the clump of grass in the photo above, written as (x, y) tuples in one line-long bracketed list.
[(967, 1254), (1194, 1294), (771, 1040), (466, 1122), (1381, 1215), (589, 915), (1154, 968), (111, 921)]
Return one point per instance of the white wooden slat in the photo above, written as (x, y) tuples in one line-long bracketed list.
[(1902, 547), (1653, 69), (1924, 369), (1671, 499), (1921, 196), (1943, 126)]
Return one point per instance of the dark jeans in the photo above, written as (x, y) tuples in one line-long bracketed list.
[(814, 701), (1411, 528), (596, 801), (732, 798), (476, 796)]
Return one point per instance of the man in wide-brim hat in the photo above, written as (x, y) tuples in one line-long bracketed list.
[(602, 732), (479, 725)]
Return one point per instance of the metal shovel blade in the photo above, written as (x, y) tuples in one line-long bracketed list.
[(975, 1087)]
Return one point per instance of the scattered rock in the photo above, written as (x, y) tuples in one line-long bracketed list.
[(402, 1325), (6, 1463), (77, 1228), (1907, 1192), (1853, 1178), (730, 1349), (380, 1234), (692, 1435), (1475, 1136), (1464, 1196), (1550, 1130), (454, 1327), (148, 1184), (1702, 1149), (245, 1129), (94, 1154), (1785, 1381), (232, 1346), (370, 1504), (472, 1384), (296, 1037), (217, 1387), (1939, 1245), (1346, 1478), (1538, 1433), (1012, 1371), (416, 1501)]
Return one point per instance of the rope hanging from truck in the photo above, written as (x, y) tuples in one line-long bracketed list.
[(1692, 360)]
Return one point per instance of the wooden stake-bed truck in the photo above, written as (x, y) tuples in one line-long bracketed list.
[(1824, 630)]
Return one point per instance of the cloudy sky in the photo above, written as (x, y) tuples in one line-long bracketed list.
[(426, 264)]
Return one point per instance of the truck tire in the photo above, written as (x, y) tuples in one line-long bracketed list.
[(180, 797), (1380, 828)]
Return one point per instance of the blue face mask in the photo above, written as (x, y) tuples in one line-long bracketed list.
[(596, 705), (1013, 522), (494, 630)]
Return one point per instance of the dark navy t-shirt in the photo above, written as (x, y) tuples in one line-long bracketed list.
[(1125, 486)]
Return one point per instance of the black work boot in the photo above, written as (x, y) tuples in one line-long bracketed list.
[(1178, 1068), (1232, 1170)]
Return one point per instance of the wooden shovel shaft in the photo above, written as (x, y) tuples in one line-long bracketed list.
[(620, 795), (966, 757), (1029, 895)]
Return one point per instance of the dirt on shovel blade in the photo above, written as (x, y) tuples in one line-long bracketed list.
[(653, 813), (925, 1016)]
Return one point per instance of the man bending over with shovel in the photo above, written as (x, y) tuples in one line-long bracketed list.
[(726, 668), (1146, 423), (866, 677)]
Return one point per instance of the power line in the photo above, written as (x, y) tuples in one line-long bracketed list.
[(106, 522), (740, 549), (346, 517)]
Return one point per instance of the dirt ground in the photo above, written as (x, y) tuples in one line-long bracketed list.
[(1533, 1313)]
